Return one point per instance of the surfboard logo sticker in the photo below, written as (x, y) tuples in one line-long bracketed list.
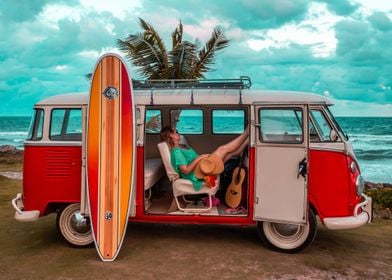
[(110, 93), (108, 215)]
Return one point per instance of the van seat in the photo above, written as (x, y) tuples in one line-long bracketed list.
[(153, 171)]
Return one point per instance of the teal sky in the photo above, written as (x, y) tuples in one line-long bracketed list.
[(336, 48)]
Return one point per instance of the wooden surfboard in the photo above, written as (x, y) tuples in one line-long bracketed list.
[(111, 153)]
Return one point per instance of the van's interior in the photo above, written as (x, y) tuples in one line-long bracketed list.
[(204, 129)]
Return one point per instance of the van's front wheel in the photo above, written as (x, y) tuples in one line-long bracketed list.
[(288, 238), (74, 227)]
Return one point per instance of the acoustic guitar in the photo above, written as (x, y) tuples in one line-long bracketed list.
[(234, 191)]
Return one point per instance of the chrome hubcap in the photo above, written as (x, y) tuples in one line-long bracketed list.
[(287, 230), (79, 223)]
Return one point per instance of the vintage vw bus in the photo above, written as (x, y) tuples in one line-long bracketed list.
[(299, 162)]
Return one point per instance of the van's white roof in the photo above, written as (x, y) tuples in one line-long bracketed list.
[(200, 96)]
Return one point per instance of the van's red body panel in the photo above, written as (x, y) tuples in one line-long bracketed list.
[(329, 183), (51, 174), (57, 179)]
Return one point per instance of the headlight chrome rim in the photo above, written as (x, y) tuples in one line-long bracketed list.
[(353, 167), (360, 185)]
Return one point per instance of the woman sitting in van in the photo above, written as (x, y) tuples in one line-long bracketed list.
[(201, 168)]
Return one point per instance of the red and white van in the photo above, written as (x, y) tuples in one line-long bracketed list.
[(299, 164)]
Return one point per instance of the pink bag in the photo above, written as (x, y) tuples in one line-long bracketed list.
[(215, 201)]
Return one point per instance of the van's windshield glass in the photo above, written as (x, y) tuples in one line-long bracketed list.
[(336, 123), (320, 125)]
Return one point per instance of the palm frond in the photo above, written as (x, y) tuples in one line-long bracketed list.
[(149, 31), (207, 54), (147, 51), (182, 59), (177, 36)]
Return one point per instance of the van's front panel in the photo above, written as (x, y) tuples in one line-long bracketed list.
[(335, 184), (329, 188)]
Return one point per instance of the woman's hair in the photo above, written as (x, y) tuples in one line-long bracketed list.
[(165, 135)]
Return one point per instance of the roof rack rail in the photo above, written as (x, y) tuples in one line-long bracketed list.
[(244, 82)]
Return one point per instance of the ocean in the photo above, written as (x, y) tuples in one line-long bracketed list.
[(371, 138)]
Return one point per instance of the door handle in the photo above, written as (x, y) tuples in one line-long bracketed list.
[(302, 168)]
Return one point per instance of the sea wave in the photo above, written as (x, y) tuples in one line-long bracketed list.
[(11, 133), (376, 155)]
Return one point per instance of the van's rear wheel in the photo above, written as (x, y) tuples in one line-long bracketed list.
[(288, 238), (74, 228)]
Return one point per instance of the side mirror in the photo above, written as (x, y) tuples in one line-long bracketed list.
[(333, 136)]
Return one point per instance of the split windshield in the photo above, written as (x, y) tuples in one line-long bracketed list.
[(336, 123)]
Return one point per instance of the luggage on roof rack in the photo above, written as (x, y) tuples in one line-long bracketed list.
[(244, 82)]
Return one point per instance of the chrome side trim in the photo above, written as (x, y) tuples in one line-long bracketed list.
[(53, 143)]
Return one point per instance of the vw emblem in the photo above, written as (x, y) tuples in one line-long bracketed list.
[(110, 93), (108, 215)]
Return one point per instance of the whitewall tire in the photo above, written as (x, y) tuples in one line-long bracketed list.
[(288, 238), (74, 228)]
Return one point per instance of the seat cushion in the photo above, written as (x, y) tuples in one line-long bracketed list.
[(185, 187), (153, 171)]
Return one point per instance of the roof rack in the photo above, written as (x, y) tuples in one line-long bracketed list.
[(243, 82)]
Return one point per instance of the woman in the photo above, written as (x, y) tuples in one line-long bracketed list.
[(185, 160)]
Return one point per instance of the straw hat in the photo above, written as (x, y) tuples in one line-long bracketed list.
[(211, 165)]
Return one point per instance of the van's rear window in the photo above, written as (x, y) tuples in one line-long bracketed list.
[(66, 125)]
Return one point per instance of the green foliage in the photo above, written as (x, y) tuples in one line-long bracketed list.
[(381, 197), (147, 51)]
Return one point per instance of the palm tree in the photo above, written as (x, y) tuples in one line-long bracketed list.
[(147, 51)]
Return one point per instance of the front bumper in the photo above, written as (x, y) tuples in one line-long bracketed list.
[(20, 215), (357, 220)]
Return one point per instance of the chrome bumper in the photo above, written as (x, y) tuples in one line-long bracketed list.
[(20, 215), (357, 220)]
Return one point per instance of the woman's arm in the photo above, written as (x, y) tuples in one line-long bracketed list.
[(186, 169)]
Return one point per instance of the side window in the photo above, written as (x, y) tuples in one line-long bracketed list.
[(187, 121), (66, 125), (321, 125), (228, 121), (153, 124), (283, 125), (36, 125)]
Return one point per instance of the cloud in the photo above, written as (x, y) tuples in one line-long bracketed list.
[(380, 21), (335, 48), (341, 7)]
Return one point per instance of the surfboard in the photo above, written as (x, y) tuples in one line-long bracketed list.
[(110, 146)]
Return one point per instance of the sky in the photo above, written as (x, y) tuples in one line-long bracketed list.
[(341, 49)]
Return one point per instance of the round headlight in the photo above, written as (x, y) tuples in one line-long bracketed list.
[(360, 185), (353, 167)]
